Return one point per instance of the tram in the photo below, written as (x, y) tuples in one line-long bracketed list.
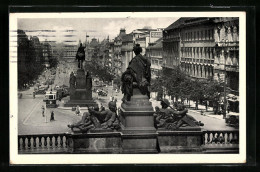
[(50, 99)]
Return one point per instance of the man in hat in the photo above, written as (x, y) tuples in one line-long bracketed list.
[(80, 56), (138, 71)]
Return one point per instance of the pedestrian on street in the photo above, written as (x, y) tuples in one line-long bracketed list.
[(33, 95), (77, 110), (43, 110), (206, 105), (52, 116), (228, 107)]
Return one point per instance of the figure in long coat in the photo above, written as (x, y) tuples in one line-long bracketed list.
[(139, 72)]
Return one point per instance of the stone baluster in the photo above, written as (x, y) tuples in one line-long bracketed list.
[(19, 146), (40, 142), (23, 143), (61, 141), (34, 142), (221, 138), (29, 142), (45, 141), (56, 141), (206, 138), (50, 141), (210, 138), (65, 141)]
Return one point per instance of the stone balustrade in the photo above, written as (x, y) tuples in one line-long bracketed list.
[(221, 141), (42, 143), (212, 141)]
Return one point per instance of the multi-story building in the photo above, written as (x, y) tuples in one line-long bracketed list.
[(154, 54), (110, 57), (171, 44), (146, 36), (126, 51), (47, 53), (38, 49), (205, 48), (197, 47), (226, 61), (117, 53), (69, 51)]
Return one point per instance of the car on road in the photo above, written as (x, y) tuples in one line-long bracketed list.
[(232, 119), (40, 91), (102, 93)]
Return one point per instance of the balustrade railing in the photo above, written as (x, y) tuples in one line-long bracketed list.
[(42, 143), (213, 141), (219, 141)]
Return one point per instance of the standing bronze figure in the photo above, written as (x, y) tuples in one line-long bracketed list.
[(80, 56), (137, 75)]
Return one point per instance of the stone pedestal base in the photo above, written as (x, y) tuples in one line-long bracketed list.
[(81, 103), (137, 123), (180, 141), (107, 142), (81, 94), (139, 143)]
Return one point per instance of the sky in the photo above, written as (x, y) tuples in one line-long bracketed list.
[(71, 30)]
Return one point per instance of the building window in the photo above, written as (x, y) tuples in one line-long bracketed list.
[(201, 35), (198, 35)]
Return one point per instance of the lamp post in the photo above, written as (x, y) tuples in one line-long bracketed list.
[(224, 44)]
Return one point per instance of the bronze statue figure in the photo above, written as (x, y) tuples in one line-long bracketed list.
[(95, 119), (170, 118), (137, 75), (72, 81), (88, 81), (80, 56)]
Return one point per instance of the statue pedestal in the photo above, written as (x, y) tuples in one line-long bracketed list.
[(137, 122), (82, 94)]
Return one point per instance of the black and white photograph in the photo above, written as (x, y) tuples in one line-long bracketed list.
[(124, 87)]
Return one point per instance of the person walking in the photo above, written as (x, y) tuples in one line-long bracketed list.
[(77, 110), (52, 116), (43, 110), (34, 95)]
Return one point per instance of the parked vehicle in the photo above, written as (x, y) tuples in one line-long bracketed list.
[(102, 93), (232, 119), (40, 91)]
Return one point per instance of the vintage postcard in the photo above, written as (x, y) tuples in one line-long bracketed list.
[(127, 87)]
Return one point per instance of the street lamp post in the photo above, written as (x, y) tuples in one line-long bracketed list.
[(225, 76)]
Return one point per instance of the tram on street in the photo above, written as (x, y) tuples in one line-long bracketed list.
[(50, 99)]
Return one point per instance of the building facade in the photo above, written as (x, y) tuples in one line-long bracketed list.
[(226, 61), (197, 47), (126, 51), (154, 54), (47, 53)]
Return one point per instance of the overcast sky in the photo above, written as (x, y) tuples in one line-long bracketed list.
[(68, 29)]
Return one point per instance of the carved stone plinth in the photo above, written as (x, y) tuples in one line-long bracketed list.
[(103, 142), (137, 123), (184, 140), (82, 94)]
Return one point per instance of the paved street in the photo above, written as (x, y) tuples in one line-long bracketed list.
[(31, 120)]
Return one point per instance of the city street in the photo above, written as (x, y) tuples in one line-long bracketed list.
[(31, 120)]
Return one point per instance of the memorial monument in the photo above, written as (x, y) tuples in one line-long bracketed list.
[(136, 113), (137, 128), (80, 89)]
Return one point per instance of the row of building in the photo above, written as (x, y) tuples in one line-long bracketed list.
[(42, 52), (204, 48)]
